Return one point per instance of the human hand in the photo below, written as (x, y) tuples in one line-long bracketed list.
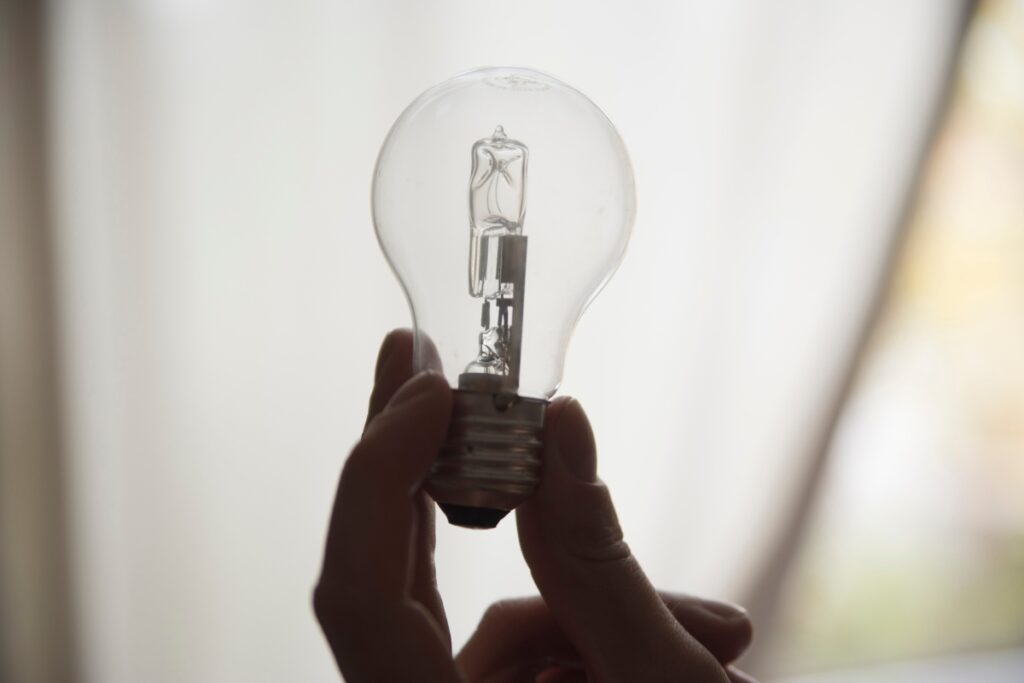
[(377, 600), (621, 628)]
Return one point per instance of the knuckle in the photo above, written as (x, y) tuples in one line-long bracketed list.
[(325, 605), (591, 533), (331, 609), (321, 604), (499, 614), (356, 467), (597, 543), (494, 614)]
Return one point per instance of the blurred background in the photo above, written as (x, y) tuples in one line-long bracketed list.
[(806, 379)]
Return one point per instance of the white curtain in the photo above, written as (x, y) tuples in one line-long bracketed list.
[(222, 293)]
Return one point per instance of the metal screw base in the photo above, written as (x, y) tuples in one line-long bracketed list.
[(490, 462)]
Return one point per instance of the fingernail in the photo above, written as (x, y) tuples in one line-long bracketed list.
[(575, 441), (723, 610), (737, 676)]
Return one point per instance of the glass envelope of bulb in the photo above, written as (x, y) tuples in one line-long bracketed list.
[(473, 171), (500, 338)]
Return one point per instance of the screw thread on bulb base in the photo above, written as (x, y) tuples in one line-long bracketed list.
[(490, 461)]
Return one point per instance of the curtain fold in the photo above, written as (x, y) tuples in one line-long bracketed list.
[(761, 597), (36, 642)]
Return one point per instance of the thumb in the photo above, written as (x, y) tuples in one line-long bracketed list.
[(593, 585), (570, 524)]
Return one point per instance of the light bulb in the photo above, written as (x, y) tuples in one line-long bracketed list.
[(499, 136)]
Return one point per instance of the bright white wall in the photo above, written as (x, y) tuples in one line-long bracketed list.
[(223, 294)]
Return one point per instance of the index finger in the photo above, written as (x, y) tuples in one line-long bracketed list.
[(370, 533), (395, 365), (362, 597)]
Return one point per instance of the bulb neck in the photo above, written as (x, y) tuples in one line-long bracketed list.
[(490, 461)]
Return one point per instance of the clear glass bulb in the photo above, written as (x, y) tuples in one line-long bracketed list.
[(498, 136)]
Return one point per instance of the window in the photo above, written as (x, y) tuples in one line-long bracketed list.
[(917, 546)]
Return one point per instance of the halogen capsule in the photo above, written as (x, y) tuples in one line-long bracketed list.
[(497, 206), (497, 257)]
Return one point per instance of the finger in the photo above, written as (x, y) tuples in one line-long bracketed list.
[(520, 637), (594, 587), (366, 647), (394, 368), (397, 362), (374, 517), (368, 555), (723, 629), (424, 580), (562, 674), (515, 636)]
